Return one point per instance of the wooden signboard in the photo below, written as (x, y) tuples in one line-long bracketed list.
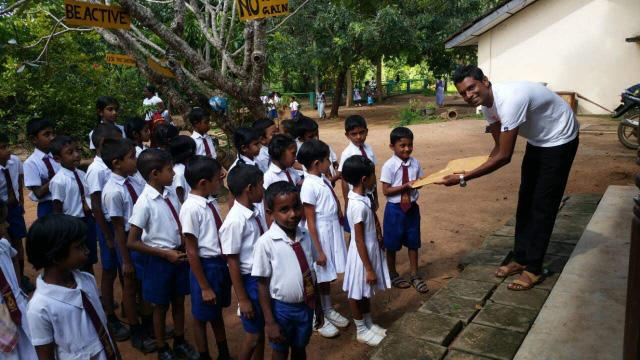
[(77, 13), (120, 59), (454, 166), (258, 9), (160, 69)]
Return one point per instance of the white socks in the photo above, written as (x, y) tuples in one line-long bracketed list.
[(361, 327)]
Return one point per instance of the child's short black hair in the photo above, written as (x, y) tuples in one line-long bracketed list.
[(354, 121), (164, 133), (201, 167), (152, 159), (279, 144), (34, 126), (276, 189), (103, 102), (398, 133), (113, 149), (241, 176), (303, 125), (182, 148), (134, 126), (196, 115), (50, 239), (287, 126), (311, 151), (244, 136), (59, 142), (261, 125), (104, 131), (355, 167)]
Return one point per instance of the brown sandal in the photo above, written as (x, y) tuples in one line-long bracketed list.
[(510, 269), (525, 281)]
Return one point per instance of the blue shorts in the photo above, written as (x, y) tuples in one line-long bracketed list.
[(273, 114), (15, 217), (295, 321), (45, 208), (92, 243), (255, 325), (165, 280), (110, 260), (401, 228), (217, 274), (139, 262)]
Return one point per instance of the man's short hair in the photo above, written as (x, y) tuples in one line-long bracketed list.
[(466, 71)]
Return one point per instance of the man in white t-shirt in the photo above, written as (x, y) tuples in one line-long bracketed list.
[(547, 122), (150, 98)]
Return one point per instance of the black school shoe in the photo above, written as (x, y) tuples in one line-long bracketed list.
[(143, 343), (118, 331), (166, 354), (185, 351)]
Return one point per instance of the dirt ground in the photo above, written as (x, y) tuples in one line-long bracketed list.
[(454, 220)]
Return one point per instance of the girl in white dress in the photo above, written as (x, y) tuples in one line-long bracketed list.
[(366, 268)]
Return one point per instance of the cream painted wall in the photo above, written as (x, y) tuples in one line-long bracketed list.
[(573, 45)]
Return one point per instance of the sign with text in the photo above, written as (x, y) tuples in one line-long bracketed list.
[(258, 9), (120, 59), (160, 69), (78, 13)]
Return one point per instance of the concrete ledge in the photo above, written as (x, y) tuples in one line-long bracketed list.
[(583, 317)]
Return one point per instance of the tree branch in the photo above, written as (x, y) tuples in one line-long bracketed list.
[(12, 7), (177, 25), (287, 18)]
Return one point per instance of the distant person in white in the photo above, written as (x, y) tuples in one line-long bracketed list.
[(547, 122), (150, 98)]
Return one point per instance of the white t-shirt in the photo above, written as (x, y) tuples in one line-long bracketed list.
[(294, 106), (198, 220), (151, 213), (391, 174), (64, 188), (540, 115), (239, 232), (36, 174)]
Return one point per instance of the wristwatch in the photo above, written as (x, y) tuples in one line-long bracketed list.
[(463, 183)]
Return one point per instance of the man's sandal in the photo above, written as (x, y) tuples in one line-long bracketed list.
[(525, 281), (399, 282), (511, 268), (419, 284)]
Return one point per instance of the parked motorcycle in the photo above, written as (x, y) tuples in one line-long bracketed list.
[(630, 108)]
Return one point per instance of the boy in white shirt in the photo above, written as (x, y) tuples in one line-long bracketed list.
[(40, 167), (200, 123), (294, 106), (70, 192), (282, 259), (243, 225), (267, 129), (324, 220), (402, 214), (156, 231), (209, 276)]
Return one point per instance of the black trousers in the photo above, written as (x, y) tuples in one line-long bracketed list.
[(544, 177)]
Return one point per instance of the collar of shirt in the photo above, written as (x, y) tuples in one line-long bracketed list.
[(354, 196), (117, 178), (153, 193), (199, 200), (246, 212), (69, 173), (275, 168), (61, 293), (9, 164), (246, 160), (197, 135), (99, 162), (316, 178), (277, 233), (39, 153), (397, 162)]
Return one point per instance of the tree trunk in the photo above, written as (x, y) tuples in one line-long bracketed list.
[(349, 100), (337, 95), (379, 80)]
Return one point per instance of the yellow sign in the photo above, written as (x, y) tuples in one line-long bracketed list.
[(160, 69), (258, 9), (89, 14), (119, 59)]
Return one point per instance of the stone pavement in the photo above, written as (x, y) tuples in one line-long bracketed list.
[(475, 317)]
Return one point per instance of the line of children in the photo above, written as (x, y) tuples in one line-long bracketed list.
[(266, 128)]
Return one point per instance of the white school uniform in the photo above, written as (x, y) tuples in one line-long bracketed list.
[(242, 159), (239, 233), (351, 150), (140, 149), (391, 174), (152, 214), (359, 211), (56, 315), (24, 349), (36, 174), (116, 200), (197, 219), (120, 127), (263, 159), (179, 181), (274, 258), (64, 188), (275, 174), (97, 175), (14, 165), (315, 191), (200, 148)]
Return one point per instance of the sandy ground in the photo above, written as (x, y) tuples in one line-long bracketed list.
[(454, 220)]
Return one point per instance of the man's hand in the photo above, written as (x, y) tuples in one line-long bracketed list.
[(449, 180), (246, 309)]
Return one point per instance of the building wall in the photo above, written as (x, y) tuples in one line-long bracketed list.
[(573, 45)]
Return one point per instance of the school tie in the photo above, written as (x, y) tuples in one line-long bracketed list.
[(335, 197), (83, 201), (10, 300), (131, 190), (47, 162), (364, 153), (259, 225), (111, 351), (174, 213), (286, 172), (207, 149), (218, 221), (307, 279), (11, 194), (405, 196)]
